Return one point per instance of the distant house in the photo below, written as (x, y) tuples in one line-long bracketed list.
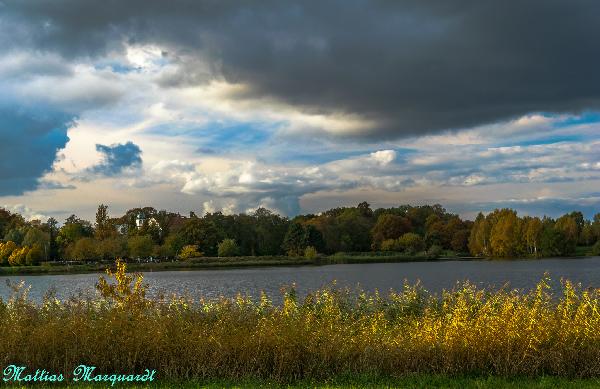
[(140, 220)]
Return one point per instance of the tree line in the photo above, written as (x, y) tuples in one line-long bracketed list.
[(150, 233)]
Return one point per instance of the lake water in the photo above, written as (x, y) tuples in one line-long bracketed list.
[(434, 276)]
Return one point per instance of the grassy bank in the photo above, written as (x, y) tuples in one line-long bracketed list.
[(216, 263), (466, 332), (239, 262)]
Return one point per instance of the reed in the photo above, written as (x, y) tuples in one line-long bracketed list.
[(332, 332)]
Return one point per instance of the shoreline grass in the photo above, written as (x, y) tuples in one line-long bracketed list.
[(208, 263), (218, 263)]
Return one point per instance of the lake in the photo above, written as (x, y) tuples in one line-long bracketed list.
[(434, 276)]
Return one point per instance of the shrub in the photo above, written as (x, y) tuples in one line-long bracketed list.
[(228, 248), (435, 251), (596, 248), (411, 243), (310, 252), (190, 251), (390, 245)]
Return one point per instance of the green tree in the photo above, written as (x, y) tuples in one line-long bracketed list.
[(34, 255), (140, 246), (36, 236), (295, 240), (173, 244), (85, 249), (202, 233), (587, 237), (15, 235), (53, 249), (553, 242), (228, 248), (112, 248), (104, 226), (269, 232), (570, 230)]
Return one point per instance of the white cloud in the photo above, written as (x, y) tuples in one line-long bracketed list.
[(383, 157), (26, 212)]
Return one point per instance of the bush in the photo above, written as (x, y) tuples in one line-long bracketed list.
[(310, 252), (435, 251), (390, 245), (228, 248), (411, 243), (190, 251), (596, 248)]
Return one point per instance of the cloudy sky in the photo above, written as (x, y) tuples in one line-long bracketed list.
[(299, 106)]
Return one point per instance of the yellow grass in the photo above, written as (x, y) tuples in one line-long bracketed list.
[(330, 332)]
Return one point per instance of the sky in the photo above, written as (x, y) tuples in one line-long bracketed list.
[(299, 106)]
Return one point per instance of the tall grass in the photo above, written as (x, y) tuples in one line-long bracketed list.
[(330, 332)]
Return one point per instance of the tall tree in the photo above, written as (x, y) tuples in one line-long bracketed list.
[(104, 227), (52, 226), (533, 234)]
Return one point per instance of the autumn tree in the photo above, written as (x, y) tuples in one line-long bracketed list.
[(505, 235), (533, 234), (479, 237), (389, 226)]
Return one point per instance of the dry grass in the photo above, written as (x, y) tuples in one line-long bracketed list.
[(466, 331)]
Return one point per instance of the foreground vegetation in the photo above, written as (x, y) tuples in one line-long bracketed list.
[(417, 381), (331, 333)]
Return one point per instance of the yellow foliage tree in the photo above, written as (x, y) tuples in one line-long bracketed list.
[(190, 251), (6, 250), (19, 256)]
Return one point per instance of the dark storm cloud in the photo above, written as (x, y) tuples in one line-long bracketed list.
[(28, 146), (411, 66), (116, 158)]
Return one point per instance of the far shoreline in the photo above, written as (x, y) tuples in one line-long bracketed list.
[(217, 263)]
